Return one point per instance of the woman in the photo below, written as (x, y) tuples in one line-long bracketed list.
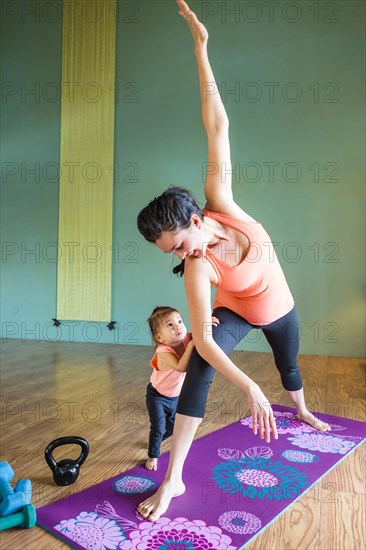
[(222, 247)]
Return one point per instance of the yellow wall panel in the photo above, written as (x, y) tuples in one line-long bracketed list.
[(86, 160)]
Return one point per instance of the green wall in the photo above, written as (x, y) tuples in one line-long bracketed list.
[(291, 78)]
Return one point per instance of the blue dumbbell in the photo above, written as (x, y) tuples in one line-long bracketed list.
[(6, 472), (13, 501)]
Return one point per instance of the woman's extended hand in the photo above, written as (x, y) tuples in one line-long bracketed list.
[(198, 30), (262, 414)]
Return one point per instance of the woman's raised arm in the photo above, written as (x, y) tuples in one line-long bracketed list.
[(218, 190)]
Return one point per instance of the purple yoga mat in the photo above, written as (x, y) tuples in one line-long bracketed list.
[(236, 485)]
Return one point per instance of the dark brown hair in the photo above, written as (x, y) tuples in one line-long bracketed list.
[(170, 211), (157, 317)]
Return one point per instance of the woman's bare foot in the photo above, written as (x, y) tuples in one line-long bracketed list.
[(153, 507), (151, 463), (309, 418)]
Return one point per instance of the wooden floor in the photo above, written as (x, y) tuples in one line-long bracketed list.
[(97, 391)]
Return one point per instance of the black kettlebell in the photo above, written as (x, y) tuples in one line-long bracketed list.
[(67, 470)]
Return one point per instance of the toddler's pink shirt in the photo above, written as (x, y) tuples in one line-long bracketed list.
[(168, 382)]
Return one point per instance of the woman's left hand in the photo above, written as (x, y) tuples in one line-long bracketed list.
[(198, 30), (262, 413)]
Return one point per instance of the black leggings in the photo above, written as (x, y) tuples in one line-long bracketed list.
[(282, 335)]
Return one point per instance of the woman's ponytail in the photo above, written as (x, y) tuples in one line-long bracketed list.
[(179, 269)]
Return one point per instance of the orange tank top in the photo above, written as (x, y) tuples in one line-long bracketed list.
[(168, 382), (256, 288)]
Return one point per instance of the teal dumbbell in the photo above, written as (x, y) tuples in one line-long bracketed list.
[(13, 501), (26, 518)]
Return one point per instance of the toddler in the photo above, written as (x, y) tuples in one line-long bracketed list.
[(173, 349)]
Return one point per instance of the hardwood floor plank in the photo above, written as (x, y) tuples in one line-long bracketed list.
[(97, 391)]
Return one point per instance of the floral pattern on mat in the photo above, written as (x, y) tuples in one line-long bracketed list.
[(237, 521), (286, 422), (134, 484), (259, 478), (299, 456), (174, 534), (323, 443), (91, 531)]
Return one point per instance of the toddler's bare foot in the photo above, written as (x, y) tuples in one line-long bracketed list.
[(151, 463), (309, 418), (153, 507)]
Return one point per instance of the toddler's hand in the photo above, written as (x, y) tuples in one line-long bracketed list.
[(215, 321)]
